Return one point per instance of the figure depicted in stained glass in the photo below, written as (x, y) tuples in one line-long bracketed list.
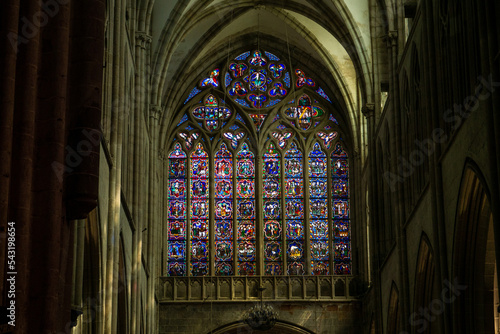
[(199, 230), (177, 188), (223, 188), (305, 114), (223, 250), (303, 80), (212, 80), (177, 230), (246, 188), (272, 251), (223, 230), (272, 230)]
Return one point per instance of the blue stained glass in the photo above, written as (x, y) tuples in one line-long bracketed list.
[(271, 167), (223, 209), (177, 230), (339, 152), (199, 208), (277, 117), (246, 230), (199, 268), (177, 209), (223, 168), (341, 188), (294, 209), (243, 56), (245, 168), (319, 229), (271, 209), (193, 93), (321, 92), (189, 128), (273, 268), (199, 229), (318, 208), (272, 230), (245, 152), (271, 56), (272, 103), (246, 268), (271, 188), (199, 251), (317, 167), (293, 167), (238, 117), (295, 268), (272, 251), (295, 250), (223, 250), (183, 119), (286, 79), (320, 268), (176, 250), (341, 209), (228, 79), (333, 119), (281, 127), (223, 230), (246, 251), (234, 127), (223, 188), (224, 268), (245, 188), (295, 230), (243, 103), (328, 127), (319, 250), (199, 189), (293, 188), (176, 269), (318, 188), (246, 209), (176, 188)]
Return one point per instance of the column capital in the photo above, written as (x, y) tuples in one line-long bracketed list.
[(368, 110), (391, 38), (142, 39), (155, 111)]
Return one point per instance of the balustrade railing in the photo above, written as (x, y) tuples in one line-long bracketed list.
[(245, 288)]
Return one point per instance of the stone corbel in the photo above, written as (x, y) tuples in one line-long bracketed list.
[(143, 40), (368, 110), (392, 38), (155, 112)]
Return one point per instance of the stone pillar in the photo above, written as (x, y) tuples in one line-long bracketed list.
[(42, 181)]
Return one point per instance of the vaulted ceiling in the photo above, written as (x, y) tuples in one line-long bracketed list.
[(329, 39)]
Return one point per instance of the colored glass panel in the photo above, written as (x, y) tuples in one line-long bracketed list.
[(340, 208), (176, 249), (318, 211), (294, 210), (245, 211)]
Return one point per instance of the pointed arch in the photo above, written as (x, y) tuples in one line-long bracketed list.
[(474, 260)]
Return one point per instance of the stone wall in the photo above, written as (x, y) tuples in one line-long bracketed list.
[(317, 317)]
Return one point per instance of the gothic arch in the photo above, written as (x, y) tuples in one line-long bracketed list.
[(474, 262), (281, 326), (426, 291), (393, 314)]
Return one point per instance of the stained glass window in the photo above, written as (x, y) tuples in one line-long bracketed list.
[(271, 185), (177, 173), (258, 185), (223, 171), (294, 211), (318, 210), (245, 184), (340, 194)]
